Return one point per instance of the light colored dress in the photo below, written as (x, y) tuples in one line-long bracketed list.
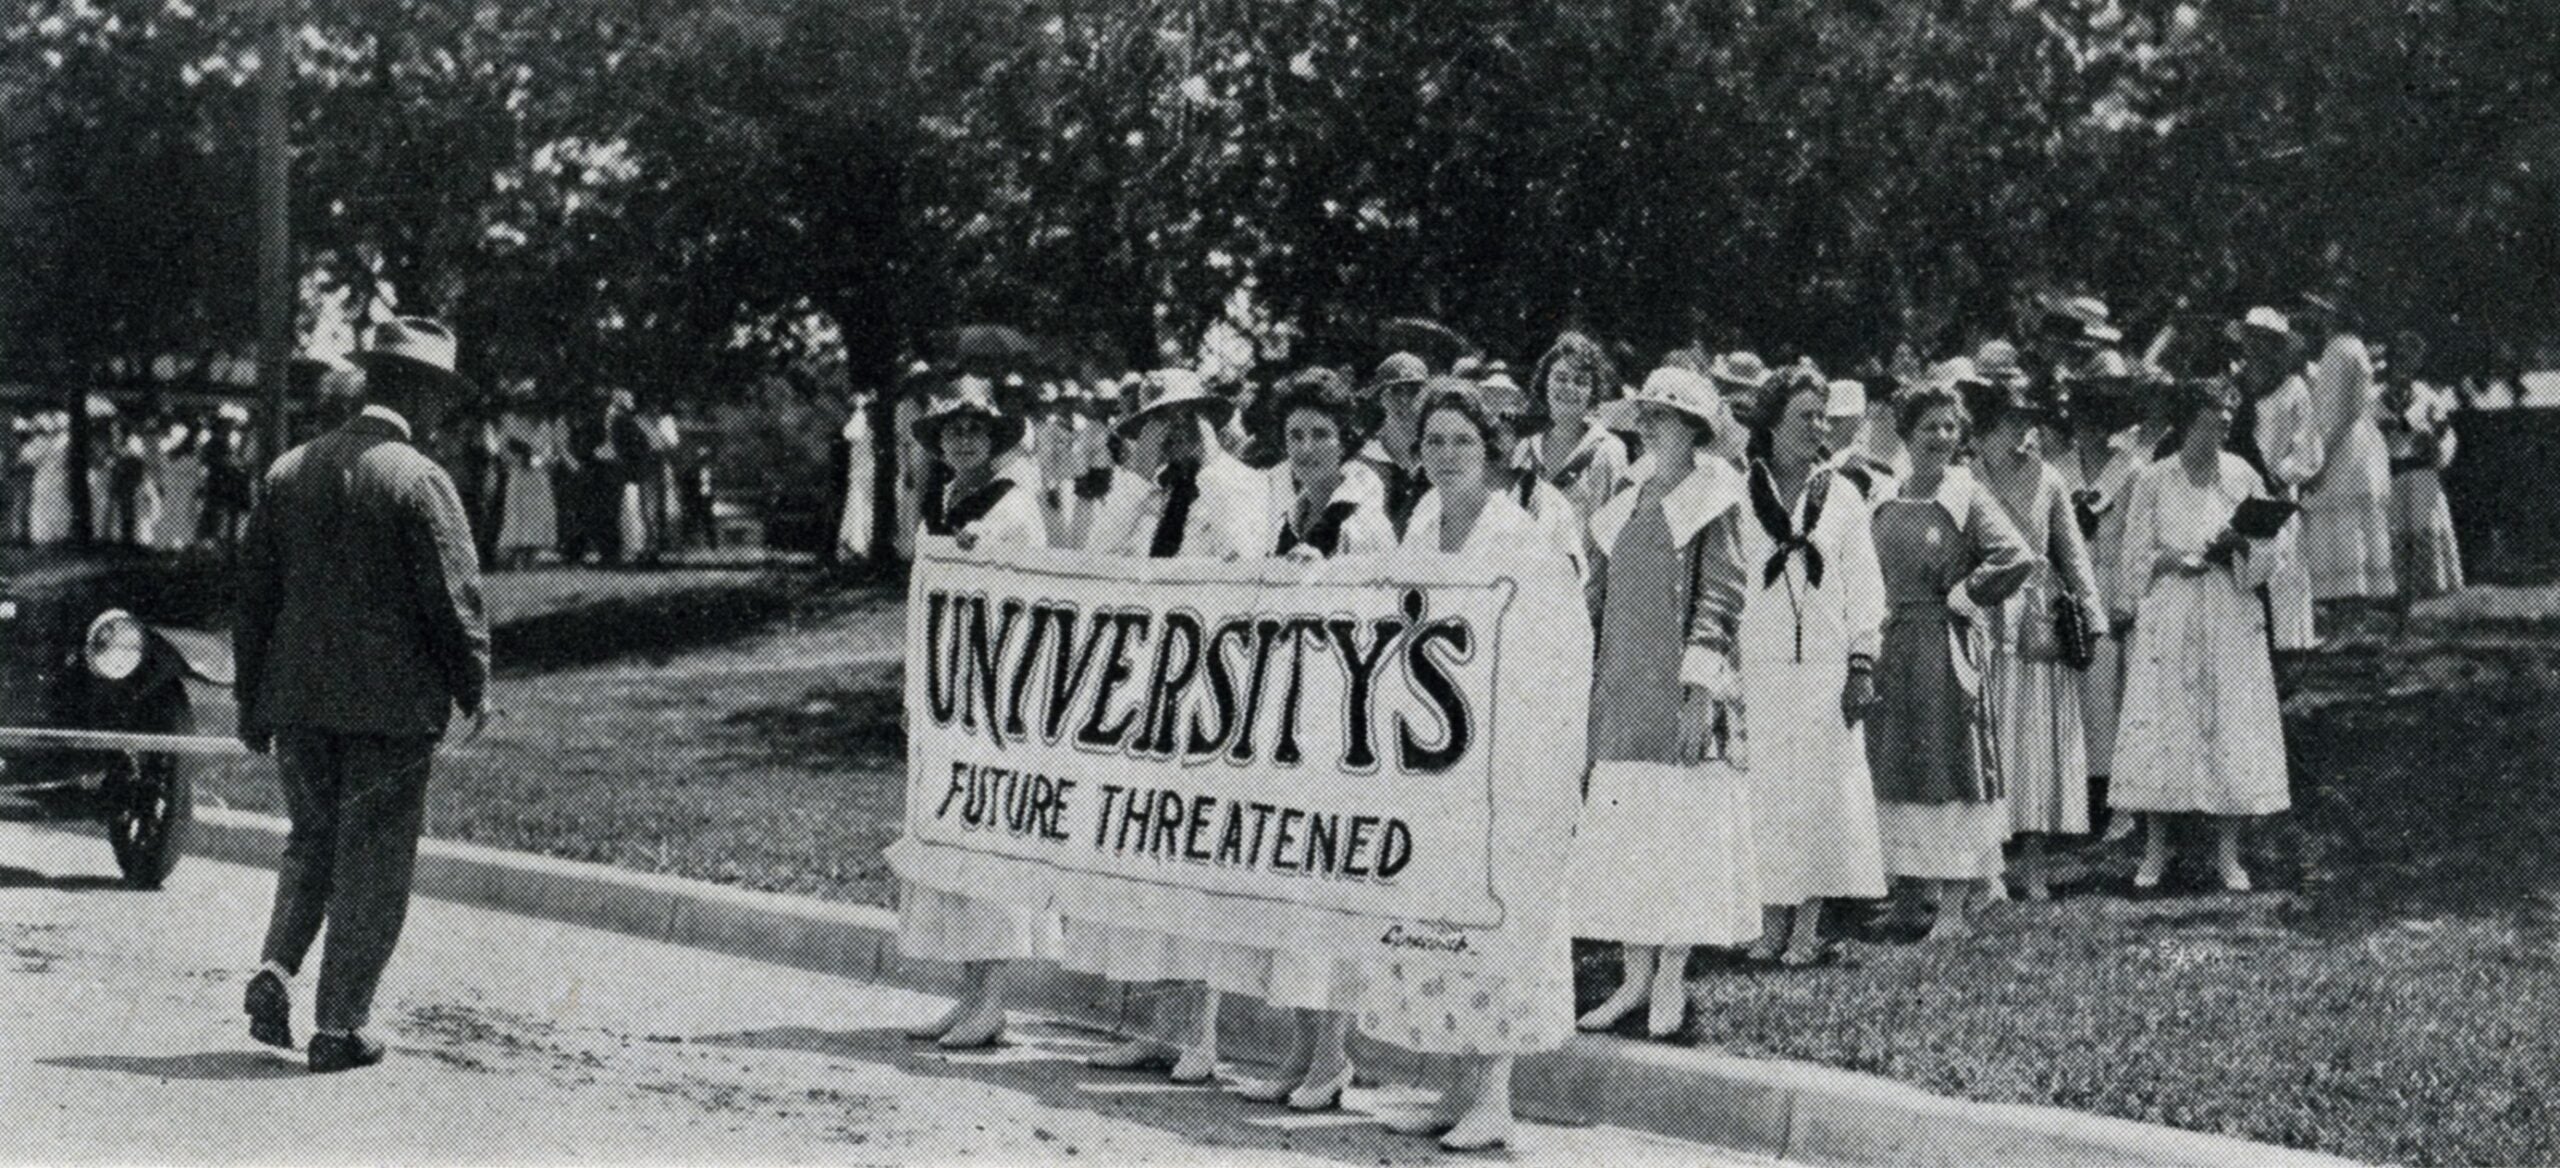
[(935, 925), (1813, 804), (1225, 519), (1938, 792), (1425, 1001), (853, 524), (2346, 519), (530, 448), (49, 514), (1663, 852), (2421, 442), (2044, 748), (180, 474), (2288, 446), (2201, 729)]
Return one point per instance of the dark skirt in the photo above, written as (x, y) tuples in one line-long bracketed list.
[(1929, 742)]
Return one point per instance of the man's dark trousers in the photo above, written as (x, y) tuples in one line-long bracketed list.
[(357, 802)]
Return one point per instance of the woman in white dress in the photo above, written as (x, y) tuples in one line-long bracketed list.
[(2036, 695), (979, 507), (1322, 504), (2278, 435), (2346, 506), (1810, 631), (2202, 731), (49, 512), (1185, 498), (853, 524), (530, 447), (1577, 454), (2417, 424), (1662, 858), (1416, 1001)]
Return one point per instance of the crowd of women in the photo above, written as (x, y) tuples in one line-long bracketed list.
[(167, 480), (1855, 640)]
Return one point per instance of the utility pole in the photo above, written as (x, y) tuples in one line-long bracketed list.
[(276, 292)]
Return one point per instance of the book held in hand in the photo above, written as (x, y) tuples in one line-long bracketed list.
[(2262, 518)]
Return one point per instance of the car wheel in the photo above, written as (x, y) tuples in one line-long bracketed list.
[(150, 804)]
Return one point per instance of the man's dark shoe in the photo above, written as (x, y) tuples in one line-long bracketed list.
[(331, 1053), (270, 1009)]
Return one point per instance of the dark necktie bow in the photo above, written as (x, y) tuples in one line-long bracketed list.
[(1787, 539)]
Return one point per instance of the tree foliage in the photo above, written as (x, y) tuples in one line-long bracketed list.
[(681, 194)]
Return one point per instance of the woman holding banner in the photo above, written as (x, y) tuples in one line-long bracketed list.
[(1185, 497), (1323, 504), (977, 507), (1420, 1001), (1662, 859), (1809, 636)]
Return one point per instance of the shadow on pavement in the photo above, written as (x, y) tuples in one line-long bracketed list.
[(13, 877), (215, 1065), (1045, 1062)]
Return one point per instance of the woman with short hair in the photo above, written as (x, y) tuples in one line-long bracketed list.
[(1419, 1000), (1948, 555), (2202, 732), (1809, 637)]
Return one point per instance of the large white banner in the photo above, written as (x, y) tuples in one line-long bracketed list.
[(1363, 755)]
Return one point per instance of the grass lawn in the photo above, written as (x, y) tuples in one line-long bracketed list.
[(2389, 995)]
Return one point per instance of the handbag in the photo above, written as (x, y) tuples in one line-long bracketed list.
[(2075, 636)]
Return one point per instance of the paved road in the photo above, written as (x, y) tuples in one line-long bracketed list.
[(517, 1041)]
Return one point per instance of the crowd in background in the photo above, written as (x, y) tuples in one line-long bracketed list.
[(168, 480), (1874, 638), (609, 483)]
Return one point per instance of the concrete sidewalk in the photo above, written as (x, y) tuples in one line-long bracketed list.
[(1786, 1110)]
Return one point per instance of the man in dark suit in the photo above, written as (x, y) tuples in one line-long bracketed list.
[(361, 630)]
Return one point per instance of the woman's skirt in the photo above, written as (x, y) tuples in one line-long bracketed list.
[(1813, 808), (1944, 841), (1134, 954), (2346, 546), (1663, 856), (2201, 730), (2044, 750), (2424, 551), (531, 520), (1431, 1002), (934, 925)]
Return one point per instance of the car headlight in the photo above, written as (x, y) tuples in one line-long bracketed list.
[(113, 646)]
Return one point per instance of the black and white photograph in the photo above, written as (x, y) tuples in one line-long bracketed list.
[(1743, 583)]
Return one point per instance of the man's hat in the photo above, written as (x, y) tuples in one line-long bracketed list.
[(417, 343), (970, 397), (1175, 391)]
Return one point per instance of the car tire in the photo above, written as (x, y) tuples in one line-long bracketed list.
[(150, 807)]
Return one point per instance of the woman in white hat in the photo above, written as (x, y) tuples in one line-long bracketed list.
[(1662, 858), (1479, 1022), (1185, 497), (978, 506), (1948, 556), (1809, 635), (2277, 433)]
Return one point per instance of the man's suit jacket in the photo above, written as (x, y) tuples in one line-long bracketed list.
[(360, 607)]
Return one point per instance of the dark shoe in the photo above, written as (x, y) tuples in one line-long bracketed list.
[(331, 1053), (270, 1009)]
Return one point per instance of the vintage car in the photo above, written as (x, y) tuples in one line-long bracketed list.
[(113, 694)]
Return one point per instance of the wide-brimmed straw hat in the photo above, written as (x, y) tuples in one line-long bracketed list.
[(1998, 362), (1688, 393), (419, 344), (970, 397), (1168, 392)]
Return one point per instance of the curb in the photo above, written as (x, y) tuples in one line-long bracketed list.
[(1769, 1107)]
